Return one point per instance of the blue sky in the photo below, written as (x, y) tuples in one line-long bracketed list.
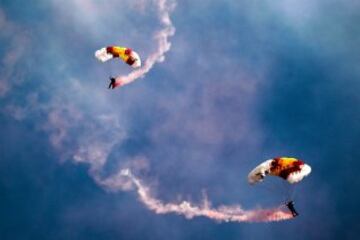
[(244, 81)]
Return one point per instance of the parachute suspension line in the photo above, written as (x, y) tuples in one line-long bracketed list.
[(271, 187), (281, 188), (109, 70), (292, 193), (290, 169), (288, 190)]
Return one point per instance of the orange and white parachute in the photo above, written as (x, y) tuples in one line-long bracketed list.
[(290, 169), (126, 54)]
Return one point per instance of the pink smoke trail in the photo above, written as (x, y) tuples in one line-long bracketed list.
[(163, 46), (189, 210), (95, 153)]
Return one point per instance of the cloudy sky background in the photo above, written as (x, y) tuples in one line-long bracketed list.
[(244, 81)]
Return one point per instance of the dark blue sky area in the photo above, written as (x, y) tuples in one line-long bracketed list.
[(244, 81)]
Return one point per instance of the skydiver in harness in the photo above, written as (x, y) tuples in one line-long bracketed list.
[(112, 82), (290, 206)]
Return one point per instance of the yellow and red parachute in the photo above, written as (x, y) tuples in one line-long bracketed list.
[(126, 54), (290, 169)]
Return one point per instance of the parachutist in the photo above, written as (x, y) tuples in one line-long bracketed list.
[(112, 82), (127, 55), (290, 205)]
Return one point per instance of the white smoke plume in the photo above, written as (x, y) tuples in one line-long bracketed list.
[(17, 40), (164, 45), (103, 132), (125, 180), (96, 155)]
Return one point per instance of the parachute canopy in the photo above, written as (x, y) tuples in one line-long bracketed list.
[(126, 54), (291, 169)]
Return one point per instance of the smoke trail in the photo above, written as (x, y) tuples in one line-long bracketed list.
[(94, 145), (125, 180), (95, 153), (16, 39), (163, 45)]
